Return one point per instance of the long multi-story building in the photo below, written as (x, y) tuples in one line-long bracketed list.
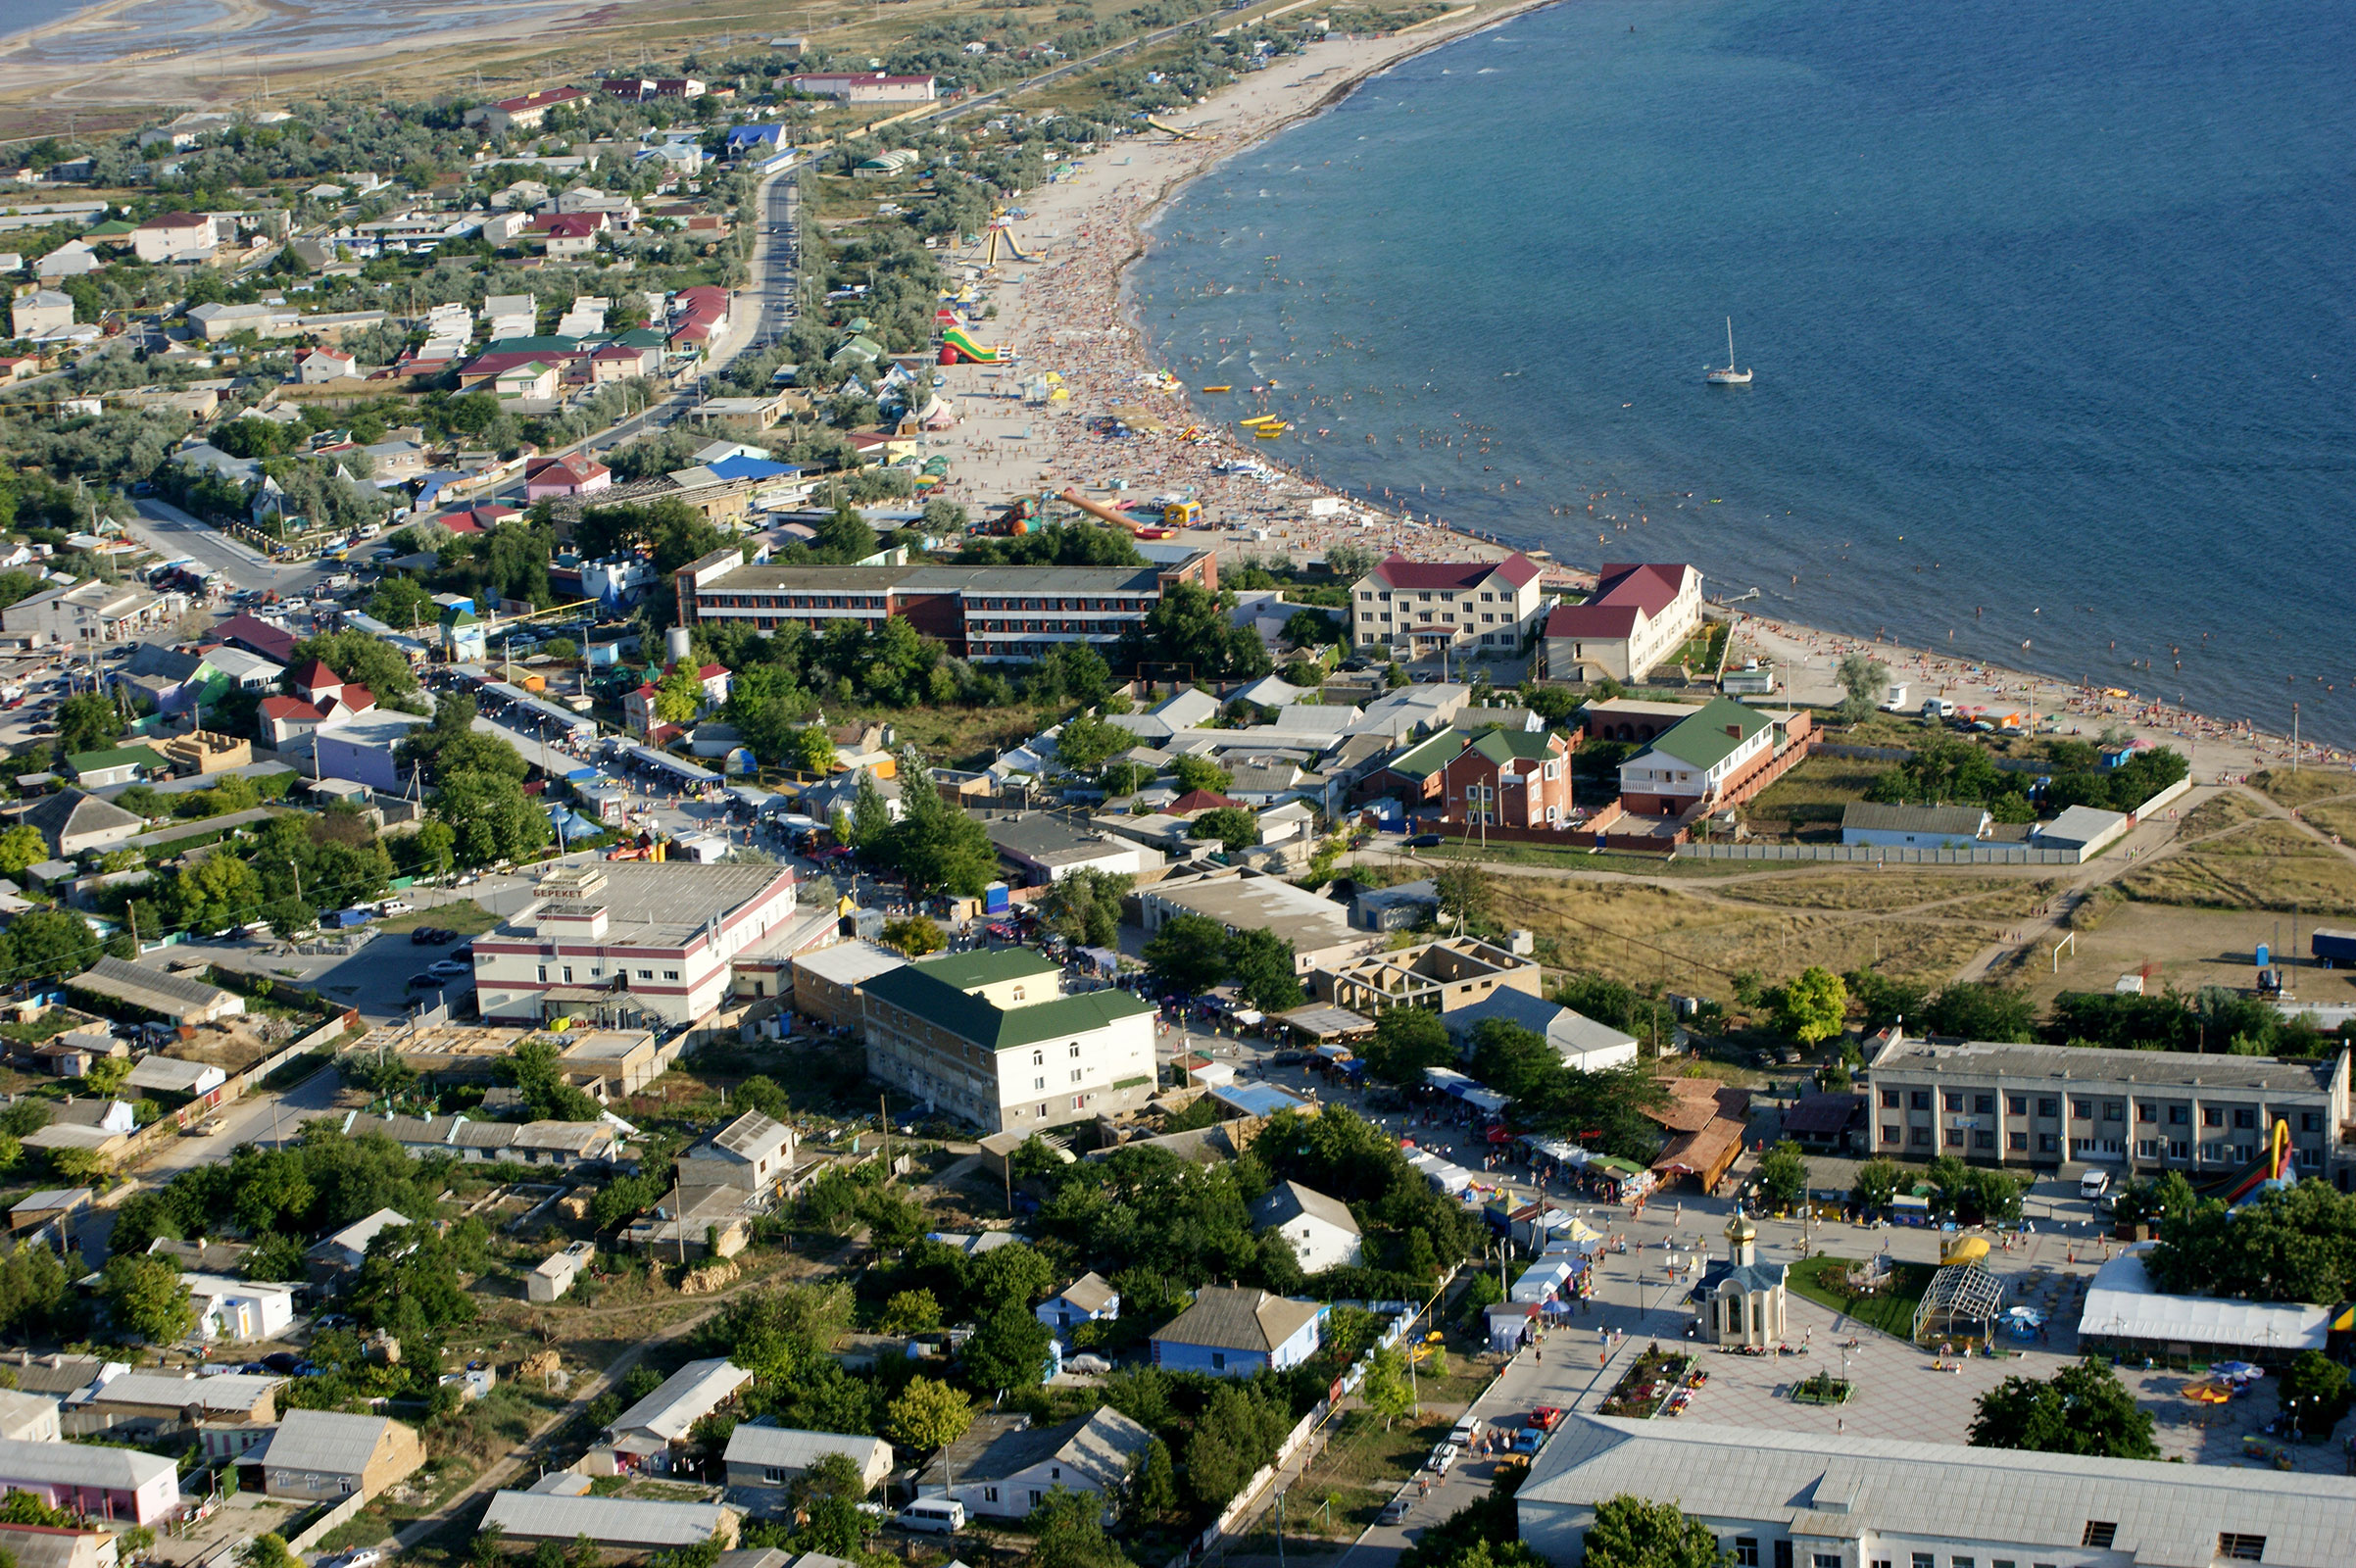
[(663, 938), (992, 1038), (984, 613), (1486, 606), (2149, 1110), (1793, 1500)]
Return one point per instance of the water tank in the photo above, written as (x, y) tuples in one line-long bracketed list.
[(674, 643)]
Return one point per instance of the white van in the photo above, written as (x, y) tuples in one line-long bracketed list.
[(933, 1516), (2093, 1184)]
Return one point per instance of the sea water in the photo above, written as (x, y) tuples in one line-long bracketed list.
[(2050, 310)]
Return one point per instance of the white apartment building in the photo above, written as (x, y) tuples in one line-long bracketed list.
[(1792, 1499), (1639, 614), (1458, 606), (991, 1037), (662, 935)]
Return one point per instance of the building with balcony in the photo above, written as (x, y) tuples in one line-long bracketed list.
[(1484, 606)]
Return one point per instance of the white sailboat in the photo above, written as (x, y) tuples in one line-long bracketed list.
[(1730, 377)]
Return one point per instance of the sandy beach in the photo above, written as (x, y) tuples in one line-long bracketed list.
[(1068, 313)]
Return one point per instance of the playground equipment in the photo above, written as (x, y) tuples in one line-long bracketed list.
[(1172, 130), (2271, 1169), (957, 344), (1001, 236), (1182, 514)]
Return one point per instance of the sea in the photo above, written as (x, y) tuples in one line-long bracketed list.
[(2051, 311)]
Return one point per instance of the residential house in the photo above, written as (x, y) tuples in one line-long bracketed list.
[(151, 1404), (1514, 778), (56, 1546), (74, 822), (39, 314), (91, 612), (1581, 1042), (1089, 1298), (347, 1248), (547, 477), (1639, 615), (181, 1080), (325, 1455), (565, 234), (1703, 761), (28, 1417), (176, 237), (554, 1274), (752, 1154), (176, 998), (1004, 1467), (1914, 827), (1481, 606), (322, 365), (1321, 1229), (565, 1512), (73, 258), (121, 1484), (1238, 1332), (761, 1456), (52, 1205), (648, 1434), (237, 1310)]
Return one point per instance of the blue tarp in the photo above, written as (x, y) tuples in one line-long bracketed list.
[(740, 467)]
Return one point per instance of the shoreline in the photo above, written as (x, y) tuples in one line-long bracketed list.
[(1077, 315)]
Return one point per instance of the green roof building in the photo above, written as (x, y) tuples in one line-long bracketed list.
[(120, 765), (992, 1037), (1699, 761)]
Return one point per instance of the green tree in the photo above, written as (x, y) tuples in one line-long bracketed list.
[(2314, 1393), (1406, 1041), (1982, 1010), (2295, 1244), (917, 935), (912, 1312), (1262, 963), (1813, 1006), (1387, 1389), (2082, 1409), (1864, 678), (1153, 1490), (1783, 1175), (1085, 743), (147, 1298), (810, 750), (1629, 1531), (929, 1415), (1008, 1350), (451, 744), (269, 1550), (1084, 906), (1876, 1186), (1201, 773), (490, 818), (1466, 892), (1231, 826), (21, 846), (403, 604), (679, 697), (356, 657), (86, 722), (1188, 953)]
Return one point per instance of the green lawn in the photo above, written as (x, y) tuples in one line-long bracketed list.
[(1891, 1310), (464, 916)]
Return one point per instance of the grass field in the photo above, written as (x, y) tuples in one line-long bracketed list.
[(1813, 794), (1891, 1310), (465, 917), (2267, 864), (2307, 784), (1644, 935), (2228, 808)]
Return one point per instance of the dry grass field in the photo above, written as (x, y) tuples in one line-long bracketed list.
[(2264, 864)]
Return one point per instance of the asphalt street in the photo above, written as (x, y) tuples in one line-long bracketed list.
[(167, 529)]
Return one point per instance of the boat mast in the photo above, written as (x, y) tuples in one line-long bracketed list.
[(1729, 342)]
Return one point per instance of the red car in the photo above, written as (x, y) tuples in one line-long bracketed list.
[(1545, 1418)]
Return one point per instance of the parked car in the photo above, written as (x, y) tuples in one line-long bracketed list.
[(429, 936), (1442, 1455), (1397, 1508), (1426, 841), (1085, 1362), (424, 982), (1465, 1431), (450, 969), (1545, 1418), (393, 906)]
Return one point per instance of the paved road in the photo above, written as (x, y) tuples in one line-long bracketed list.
[(262, 1118), (167, 529)]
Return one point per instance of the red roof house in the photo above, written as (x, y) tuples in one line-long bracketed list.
[(1639, 614), (576, 475)]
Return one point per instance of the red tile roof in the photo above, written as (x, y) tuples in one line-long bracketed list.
[(1194, 801), (289, 708), (175, 221), (359, 698), (316, 674), (569, 225), (1400, 572), (545, 98), (1622, 590), (259, 635)]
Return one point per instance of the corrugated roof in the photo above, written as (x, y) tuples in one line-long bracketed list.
[(2170, 1515), (231, 1390), (986, 966), (1228, 1317), (76, 1464), (1089, 1292), (326, 1443), (1952, 822), (168, 994), (790, 1450), (608, 1521), (685, 1398)]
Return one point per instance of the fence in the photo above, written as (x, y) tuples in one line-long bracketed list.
[(162, 1128), (321, 1527), (1990, 854)]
